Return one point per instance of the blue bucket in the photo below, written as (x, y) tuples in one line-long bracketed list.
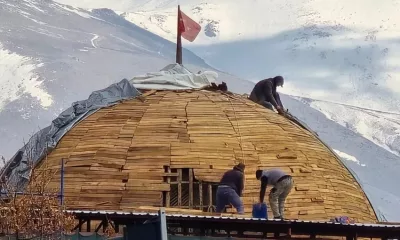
[(260, 211)]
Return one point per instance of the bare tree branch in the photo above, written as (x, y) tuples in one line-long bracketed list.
[(37, 211)]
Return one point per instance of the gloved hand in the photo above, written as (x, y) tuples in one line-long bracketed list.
[(280, 111), (259, 204)]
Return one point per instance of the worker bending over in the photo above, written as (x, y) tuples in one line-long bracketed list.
[(265, 94), (282, 185), (230, 189)]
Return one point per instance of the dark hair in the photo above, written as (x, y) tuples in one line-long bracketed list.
[(278, 79), (258, 174), (240, 167)]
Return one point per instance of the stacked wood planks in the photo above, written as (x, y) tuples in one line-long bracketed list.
[(124, 156)]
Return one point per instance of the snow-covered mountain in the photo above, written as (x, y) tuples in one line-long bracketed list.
[(52, 55)]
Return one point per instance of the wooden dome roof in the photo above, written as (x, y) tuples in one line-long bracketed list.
[(172, 147)]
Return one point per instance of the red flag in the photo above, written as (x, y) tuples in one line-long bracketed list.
[(188, 28)]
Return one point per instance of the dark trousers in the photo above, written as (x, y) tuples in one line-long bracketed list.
[(227, 195), (261, 100)]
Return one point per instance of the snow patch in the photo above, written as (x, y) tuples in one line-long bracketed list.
[(348, 157), (31, 4), (36, 21), (17, 78), (78, 11), (379, 127), (13, 8), (45, 32), (93, 40), (132, 43), (155, 23)]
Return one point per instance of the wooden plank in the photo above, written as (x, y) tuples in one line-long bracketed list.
[(210, 192), (201, 193), (190, 188), (179, 187), (168, 194)]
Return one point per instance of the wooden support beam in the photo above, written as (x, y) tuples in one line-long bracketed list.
[(98, 227), (289, 233), (168, 194), (113, 226), (210, 195), (116, 228), (190, 188), (88, 226), (81, 221), (105, 225), (79, 226), (182, 182), (179, 187), (169, 174), (201, 194)]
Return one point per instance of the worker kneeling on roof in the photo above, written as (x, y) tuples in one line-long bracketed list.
[(265, 94), (282, 185), (230, 189)]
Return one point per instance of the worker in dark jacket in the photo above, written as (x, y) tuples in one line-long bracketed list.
[(230, 189), (265, 94), (282, 185)]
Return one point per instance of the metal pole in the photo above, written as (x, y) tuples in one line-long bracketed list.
[(62, 182), (178, 38), (163, 224)]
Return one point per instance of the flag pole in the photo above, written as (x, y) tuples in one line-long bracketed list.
[(178, 39)]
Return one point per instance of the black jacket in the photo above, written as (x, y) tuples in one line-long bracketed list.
[(233, 178), (265, 90)]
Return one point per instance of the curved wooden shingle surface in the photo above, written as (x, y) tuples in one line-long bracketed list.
[(122, 156)]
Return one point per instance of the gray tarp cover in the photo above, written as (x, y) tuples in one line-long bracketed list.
[(17, 169)]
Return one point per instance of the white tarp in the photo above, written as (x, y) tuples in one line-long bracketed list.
[(174, 77)]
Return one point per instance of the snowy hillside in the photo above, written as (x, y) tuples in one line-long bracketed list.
[(52, 55), (376, 168)]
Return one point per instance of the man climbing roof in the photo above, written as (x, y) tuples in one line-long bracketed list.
[(230, 189), (265, 94), (282, 185)]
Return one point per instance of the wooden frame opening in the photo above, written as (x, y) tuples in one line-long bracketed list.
[(187, 192)]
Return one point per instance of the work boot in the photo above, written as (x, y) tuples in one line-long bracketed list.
[(278, 218)]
